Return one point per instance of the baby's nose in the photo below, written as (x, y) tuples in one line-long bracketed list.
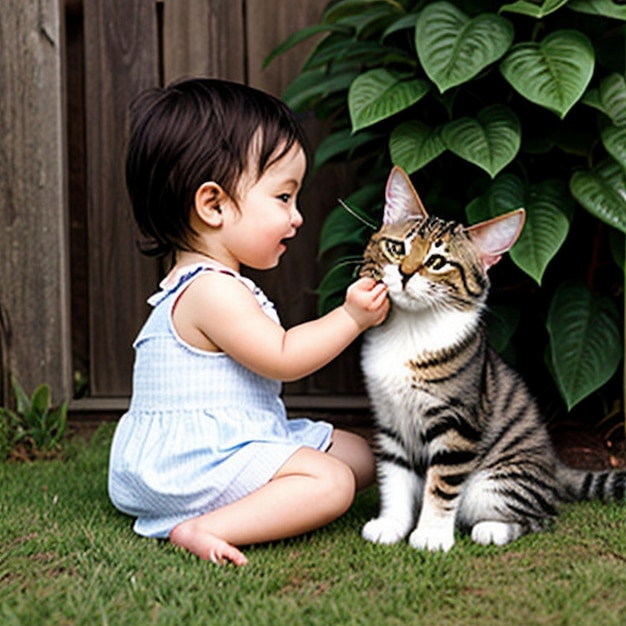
[(296, 218)]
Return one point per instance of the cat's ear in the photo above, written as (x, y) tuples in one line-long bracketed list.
[(401, 199), (496, 236)]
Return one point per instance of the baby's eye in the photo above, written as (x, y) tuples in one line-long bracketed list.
[(284, 197)]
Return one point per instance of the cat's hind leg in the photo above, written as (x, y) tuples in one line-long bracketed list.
[(400, 490)]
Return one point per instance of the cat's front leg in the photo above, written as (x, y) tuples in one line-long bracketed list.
[(400, 491), (435, 528)]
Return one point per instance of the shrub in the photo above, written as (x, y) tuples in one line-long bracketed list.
[(34, 429), (489, 106)]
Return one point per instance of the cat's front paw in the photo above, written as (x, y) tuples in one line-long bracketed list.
[(384, 530), (432, 539)]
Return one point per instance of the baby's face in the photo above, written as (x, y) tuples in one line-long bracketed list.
[(267, 215)]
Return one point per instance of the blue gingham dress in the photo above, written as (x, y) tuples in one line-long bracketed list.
[(201, 430)]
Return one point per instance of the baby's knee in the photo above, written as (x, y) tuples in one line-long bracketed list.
[(339, 487)]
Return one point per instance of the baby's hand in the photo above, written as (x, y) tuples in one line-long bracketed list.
[(367, 302)]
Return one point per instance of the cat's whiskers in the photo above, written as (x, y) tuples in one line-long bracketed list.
[(354, 214)]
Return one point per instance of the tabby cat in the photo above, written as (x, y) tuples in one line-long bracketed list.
[(460, 440)]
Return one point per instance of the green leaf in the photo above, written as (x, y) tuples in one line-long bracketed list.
[(21, 397), (342, 229), (602, 192), (614, 140), (311, 86), (332, 289), (453, 48), (332, 52), (342, 142), (585, 341), (299, 36), (490, 141), (606, 8), (344, 8), (367, 23), (613, 98), (413, 144), (405, 22), (379, 94), (549, 210), (532, 9), (553, 73), (40, 400), (506, 193)]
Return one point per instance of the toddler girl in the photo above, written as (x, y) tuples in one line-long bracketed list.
[(205, 455)]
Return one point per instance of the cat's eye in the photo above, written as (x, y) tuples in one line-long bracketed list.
[(394, 248)]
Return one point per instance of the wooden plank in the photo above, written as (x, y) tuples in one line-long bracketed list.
[(34, 299), (121, 59), (203, 38)]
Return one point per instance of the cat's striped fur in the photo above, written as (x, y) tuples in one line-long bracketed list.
[(460, 439)]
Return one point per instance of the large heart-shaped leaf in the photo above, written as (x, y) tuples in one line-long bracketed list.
[(413, 144), (553, 73), (549, 209), (602, 192), (490, 141), (585, 341), (453, 48), (379, 94)]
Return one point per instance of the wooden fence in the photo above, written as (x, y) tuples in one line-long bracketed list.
[(73, 287)]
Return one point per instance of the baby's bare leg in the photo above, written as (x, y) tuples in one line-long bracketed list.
[(311, 489), (356, 452)]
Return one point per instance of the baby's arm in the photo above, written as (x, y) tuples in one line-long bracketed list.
[(226, 313)]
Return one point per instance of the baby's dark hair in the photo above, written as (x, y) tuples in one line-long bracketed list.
[(196, 131)]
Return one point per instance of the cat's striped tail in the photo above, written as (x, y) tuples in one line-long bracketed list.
[(592, 485)]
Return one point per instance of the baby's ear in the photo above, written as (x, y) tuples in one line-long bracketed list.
[(207, 203)]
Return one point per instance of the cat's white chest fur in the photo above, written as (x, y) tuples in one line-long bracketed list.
[(389, 349)]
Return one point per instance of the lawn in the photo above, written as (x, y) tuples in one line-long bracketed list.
[(67, 557)]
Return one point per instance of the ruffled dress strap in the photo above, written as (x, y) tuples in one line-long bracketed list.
[(174, 282)]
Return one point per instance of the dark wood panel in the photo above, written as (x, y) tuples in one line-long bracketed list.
[(203, 38), (34, 309), (121, 59)]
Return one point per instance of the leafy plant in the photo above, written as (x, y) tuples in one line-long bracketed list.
[(35, 429), (489, 106)]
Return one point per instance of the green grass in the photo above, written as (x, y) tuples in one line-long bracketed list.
[(67, 557)]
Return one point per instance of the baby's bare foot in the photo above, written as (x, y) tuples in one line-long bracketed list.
[(205, 545)]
